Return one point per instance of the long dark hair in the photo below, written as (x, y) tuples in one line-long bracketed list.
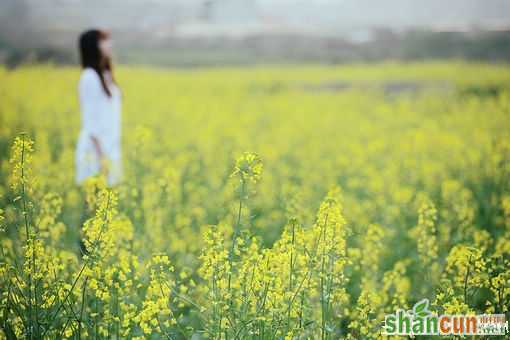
[(90, 55)]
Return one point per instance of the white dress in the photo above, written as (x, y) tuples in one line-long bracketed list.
[(100, 118)]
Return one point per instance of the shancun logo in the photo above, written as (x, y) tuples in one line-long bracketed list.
[(421, 321)]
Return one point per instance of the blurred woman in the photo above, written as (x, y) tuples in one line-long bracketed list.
[(98, 150)]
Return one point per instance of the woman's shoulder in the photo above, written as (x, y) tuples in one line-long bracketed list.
[(89, 80), (89, 75)]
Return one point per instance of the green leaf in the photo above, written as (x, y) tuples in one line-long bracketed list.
[(422, 314), (421, 306)]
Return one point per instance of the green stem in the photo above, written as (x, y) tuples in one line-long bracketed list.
[(233, 244), (29, 238), (291, 271), (83, 295), (85, 264)]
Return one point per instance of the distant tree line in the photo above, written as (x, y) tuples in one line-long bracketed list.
[(492, 46)]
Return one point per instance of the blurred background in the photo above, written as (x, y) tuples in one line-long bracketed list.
[(216, 32)]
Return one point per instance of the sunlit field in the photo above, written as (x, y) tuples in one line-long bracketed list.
[(292, 202)]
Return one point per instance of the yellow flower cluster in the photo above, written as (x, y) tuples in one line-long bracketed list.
[(21, 158), (426, 237), (248, 167), (156, 315)]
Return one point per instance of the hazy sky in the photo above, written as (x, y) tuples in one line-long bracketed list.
[(331, 15)]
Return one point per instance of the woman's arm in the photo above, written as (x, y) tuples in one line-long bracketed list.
[(91, 108), (97, 146)]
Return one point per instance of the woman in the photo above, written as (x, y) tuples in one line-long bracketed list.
[(98, 150)]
